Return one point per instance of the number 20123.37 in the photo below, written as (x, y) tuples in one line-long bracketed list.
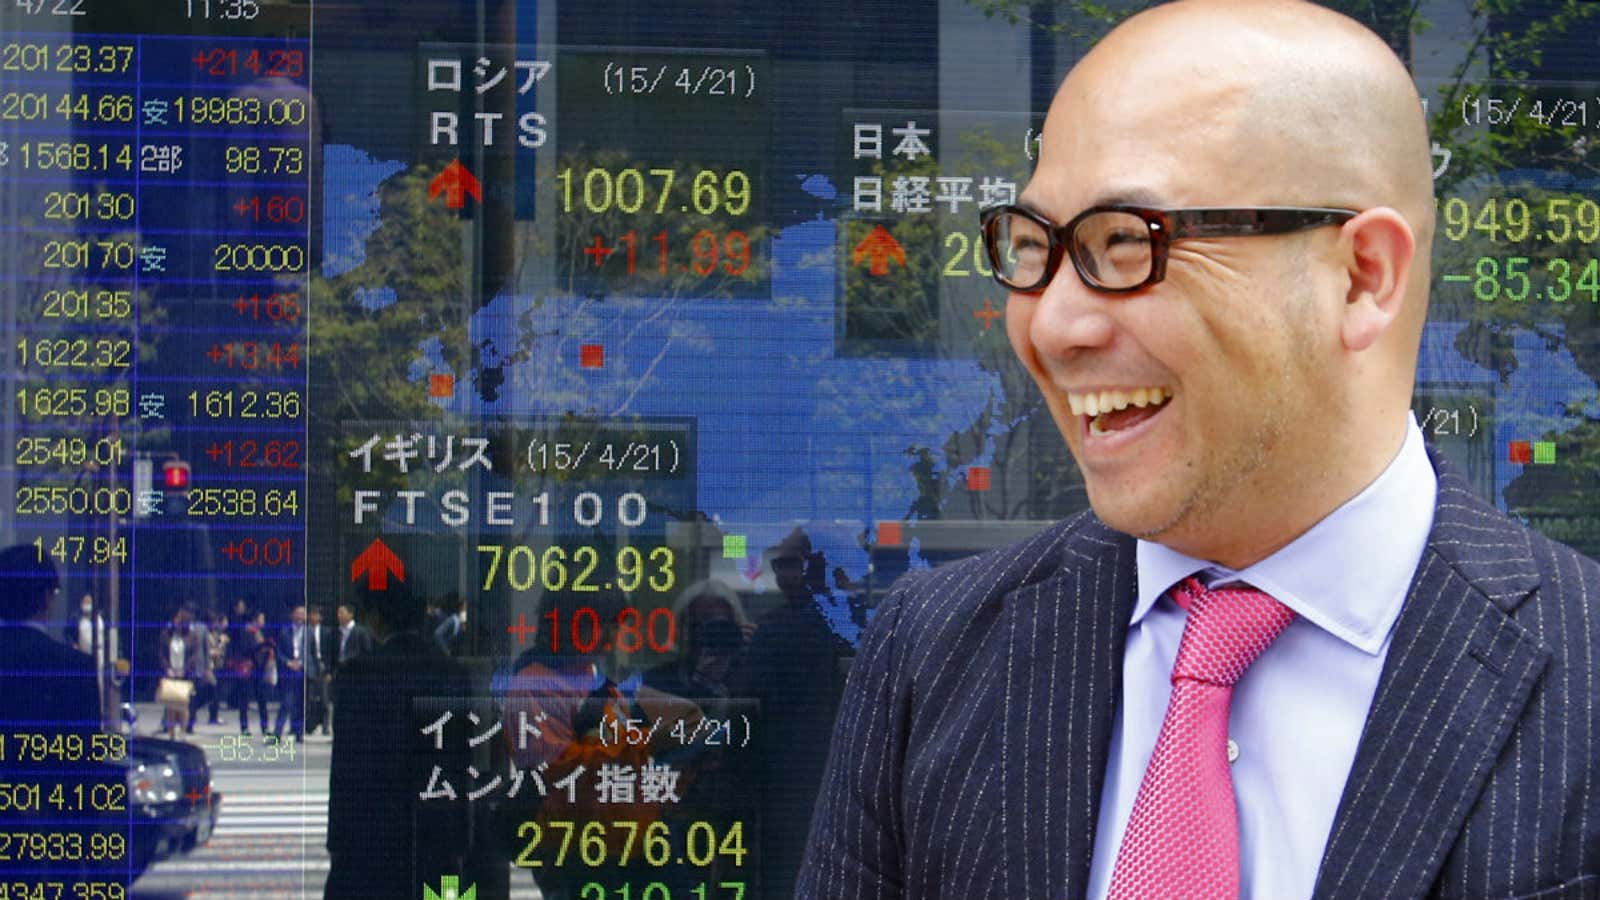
[(1519, 279), (107, 59)]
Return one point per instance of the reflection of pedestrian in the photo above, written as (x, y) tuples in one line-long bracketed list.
[(92, 637), (217, 641), (354, 641), (205, 678), (791, 668), (260, 675), (90, 632), (46, 683), (236, 676), (319, 669), (183, 661), (451, 632), (46, 689), (712, 630), (383, 841), (292, 675)]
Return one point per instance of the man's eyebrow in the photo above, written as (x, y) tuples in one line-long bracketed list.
[(1114, 197), (1129, 197)]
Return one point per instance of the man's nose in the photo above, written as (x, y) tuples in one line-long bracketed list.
[(1070, 316)]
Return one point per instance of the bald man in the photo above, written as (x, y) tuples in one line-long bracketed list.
[(1288, 653)]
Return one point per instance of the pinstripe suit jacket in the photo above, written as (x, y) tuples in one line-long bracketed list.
[(968, 756)]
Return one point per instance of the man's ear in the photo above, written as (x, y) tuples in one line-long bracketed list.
[(1382, 245)]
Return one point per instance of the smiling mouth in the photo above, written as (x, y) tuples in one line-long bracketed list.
[(1110, 411)]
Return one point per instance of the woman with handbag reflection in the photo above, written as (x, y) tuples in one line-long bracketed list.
[(182, 656)]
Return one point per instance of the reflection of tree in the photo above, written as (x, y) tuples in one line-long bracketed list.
[(602, 303), (362, 357)]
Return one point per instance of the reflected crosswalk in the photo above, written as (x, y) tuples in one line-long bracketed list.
[(270, 839), (271, 836)]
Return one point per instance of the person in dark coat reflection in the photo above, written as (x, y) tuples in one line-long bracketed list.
[(49, 690), (47, 683), (383, 840), (792, 668)]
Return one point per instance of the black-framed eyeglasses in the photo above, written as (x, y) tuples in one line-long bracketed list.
[(1118, 249)]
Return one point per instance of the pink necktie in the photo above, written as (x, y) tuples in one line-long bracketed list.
[(1182, 840)]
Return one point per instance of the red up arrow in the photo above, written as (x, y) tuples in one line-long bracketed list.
[(879, 247), (455, 182), (377, 562)]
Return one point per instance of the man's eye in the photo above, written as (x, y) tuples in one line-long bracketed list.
[(1126, 237)]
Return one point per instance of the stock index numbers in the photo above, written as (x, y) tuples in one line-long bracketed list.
[(156, 188), (646, 206)]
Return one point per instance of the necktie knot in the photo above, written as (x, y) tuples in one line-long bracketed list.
[(1227, 629), (1182, 838)]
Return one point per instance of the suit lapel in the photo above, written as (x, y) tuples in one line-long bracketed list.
[(1457, 678), (1063, 674)]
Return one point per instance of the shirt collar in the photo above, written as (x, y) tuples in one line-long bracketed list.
[(1330, 575)]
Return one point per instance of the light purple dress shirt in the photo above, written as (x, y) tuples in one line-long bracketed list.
[(1298, 712)]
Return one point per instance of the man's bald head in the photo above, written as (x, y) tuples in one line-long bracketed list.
[(1320, 107), (1284, 354)]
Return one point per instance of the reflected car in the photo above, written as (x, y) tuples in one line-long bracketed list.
[(173, 806)]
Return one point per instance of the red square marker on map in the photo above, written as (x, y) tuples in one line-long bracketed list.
[(592, 356), (441, 385), (977, 478), (890, 534), (1520, 452)]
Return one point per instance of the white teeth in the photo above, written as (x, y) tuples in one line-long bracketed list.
[(1093, 404)]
